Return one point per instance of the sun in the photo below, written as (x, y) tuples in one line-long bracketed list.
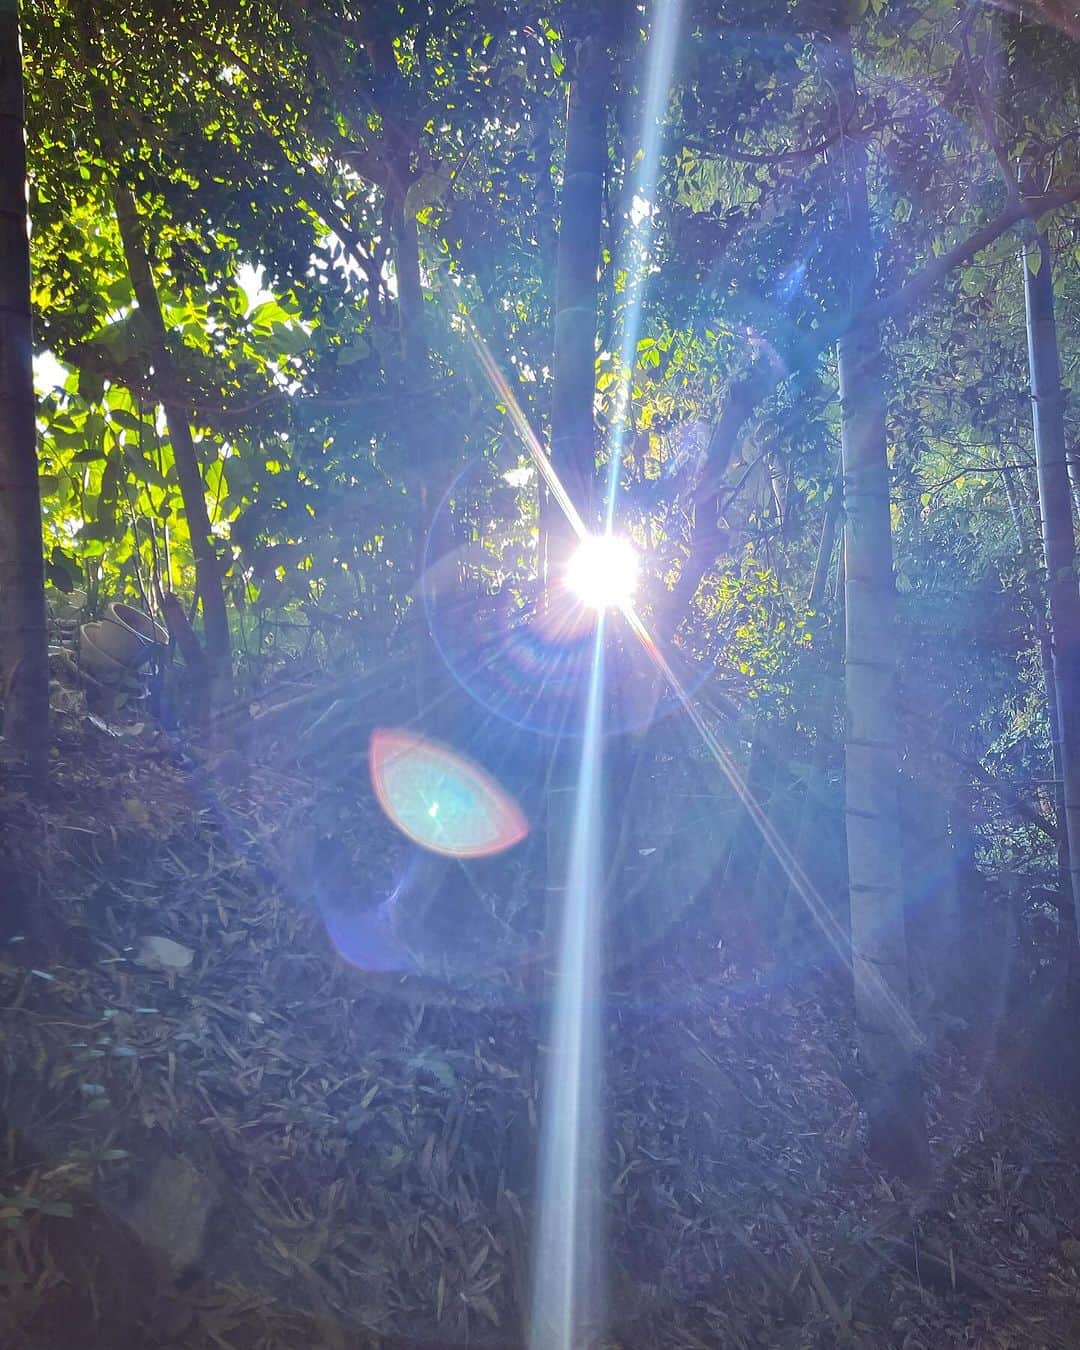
[(603, 572)]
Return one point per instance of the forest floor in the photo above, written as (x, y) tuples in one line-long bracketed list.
[(243, 1141)]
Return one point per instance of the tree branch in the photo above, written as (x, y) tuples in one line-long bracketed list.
[(798, 156), (892, 306), (983, 109), (766, 373)]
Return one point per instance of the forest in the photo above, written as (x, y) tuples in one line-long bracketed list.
[(539, 674)]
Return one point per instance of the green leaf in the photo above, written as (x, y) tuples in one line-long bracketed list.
[(127, 419), (91, 385), (59, 577), (268, 314)]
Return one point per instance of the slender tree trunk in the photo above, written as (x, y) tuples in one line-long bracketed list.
[(1059, 545), (544, 199), (735, 913), (931, 878), (1016, 513), (573, 451), (1037, 614), (163, 374), (813, 817), (573, 457), (412, 326), (826, 545), (893, 1098), (166, 387), (1061, 833), (420, 420), (708, 535), (573, 444), (421, 430), (784, 803), (24, 657)]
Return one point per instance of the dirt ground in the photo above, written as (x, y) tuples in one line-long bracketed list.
[(218, 1132)]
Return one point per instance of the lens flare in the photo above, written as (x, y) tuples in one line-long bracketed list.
[(568, 1263), (365, 934), (441, 800), (603, 572), (367, 939), (522, 649)]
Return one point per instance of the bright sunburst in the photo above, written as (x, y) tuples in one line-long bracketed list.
[(603, 572)]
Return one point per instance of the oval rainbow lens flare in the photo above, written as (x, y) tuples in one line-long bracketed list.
[(440, 799)]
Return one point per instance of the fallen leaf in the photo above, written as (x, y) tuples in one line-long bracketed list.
[(162, 953)]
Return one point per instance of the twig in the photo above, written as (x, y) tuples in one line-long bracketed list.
[(985, 116), (824, 1293)]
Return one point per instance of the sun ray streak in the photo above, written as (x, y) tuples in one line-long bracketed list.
[(529, 439), (567, 1278), (566, 1308), (834, 932)]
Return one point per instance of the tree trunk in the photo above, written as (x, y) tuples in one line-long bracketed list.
[(737, 917), (163, 374), (573, 445), (544, 199), (421, 431), (708, 535), (1059, 546), (1037, 612), (893, 1097), (826, 545), (814, 836), (568, 1274), (24, 656), (930, 874), (1067, 920), (573, 449), (573, 452), (166, 388)]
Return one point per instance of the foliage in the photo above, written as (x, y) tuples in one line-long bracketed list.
[(268, 148)]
